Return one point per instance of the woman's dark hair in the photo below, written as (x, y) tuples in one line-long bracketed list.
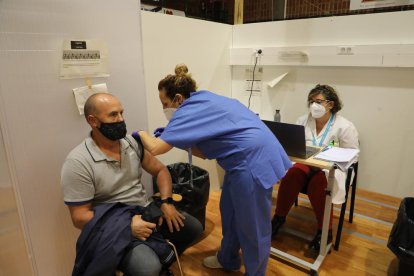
[(181, 83), (329, 93)]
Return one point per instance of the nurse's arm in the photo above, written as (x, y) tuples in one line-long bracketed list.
[(196, 152), (154, 145)]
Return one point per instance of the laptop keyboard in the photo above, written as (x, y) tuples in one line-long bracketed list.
[(311, 151)]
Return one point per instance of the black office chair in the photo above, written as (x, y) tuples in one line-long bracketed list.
[(354, 168)]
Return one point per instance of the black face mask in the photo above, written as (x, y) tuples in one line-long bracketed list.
[(113, 131)]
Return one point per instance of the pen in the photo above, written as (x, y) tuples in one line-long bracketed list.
[(325, 149)]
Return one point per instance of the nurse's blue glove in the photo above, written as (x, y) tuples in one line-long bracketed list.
[(136, 136), (158, 132)]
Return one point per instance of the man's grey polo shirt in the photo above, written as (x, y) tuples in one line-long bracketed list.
[(88, 175)]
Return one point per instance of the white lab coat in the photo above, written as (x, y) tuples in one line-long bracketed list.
[(344, 135)]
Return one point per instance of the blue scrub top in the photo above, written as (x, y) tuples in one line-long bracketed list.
[(224, 129)]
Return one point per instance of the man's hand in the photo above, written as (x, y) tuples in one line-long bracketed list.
[(140, 228), (174, 218)]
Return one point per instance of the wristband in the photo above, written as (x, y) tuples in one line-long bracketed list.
[(167, 200)]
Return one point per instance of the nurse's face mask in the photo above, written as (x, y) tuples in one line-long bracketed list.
[(317, 108), (169, 111)]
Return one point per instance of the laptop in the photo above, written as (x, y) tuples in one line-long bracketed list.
[(292, 139)]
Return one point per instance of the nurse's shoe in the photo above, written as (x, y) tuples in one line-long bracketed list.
[(213, 262)]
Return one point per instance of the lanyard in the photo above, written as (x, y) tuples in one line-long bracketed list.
[(325, 133)]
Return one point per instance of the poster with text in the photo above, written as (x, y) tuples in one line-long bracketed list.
[(84, 59), (372, 4)]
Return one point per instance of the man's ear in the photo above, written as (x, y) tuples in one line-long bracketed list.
[(92, 121)]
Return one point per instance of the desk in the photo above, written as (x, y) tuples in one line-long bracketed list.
[(314, 267)]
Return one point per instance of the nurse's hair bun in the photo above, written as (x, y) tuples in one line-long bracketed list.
[(180, 83), (181, 69)]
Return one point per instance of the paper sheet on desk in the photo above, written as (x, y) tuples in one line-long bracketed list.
[(341, 156)]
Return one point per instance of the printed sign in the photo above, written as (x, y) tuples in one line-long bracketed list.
[(84, 59)]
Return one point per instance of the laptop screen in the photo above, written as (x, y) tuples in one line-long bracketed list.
[(290, 136)]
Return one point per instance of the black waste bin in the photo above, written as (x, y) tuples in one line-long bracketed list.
[(195, 195), (401, 239)]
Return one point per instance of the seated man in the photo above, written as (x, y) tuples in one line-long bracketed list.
[(105, 170)]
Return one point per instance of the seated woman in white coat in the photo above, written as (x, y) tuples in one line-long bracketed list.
[(323, 127)]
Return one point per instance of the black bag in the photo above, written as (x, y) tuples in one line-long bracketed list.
[(195, 195), (401, 239)]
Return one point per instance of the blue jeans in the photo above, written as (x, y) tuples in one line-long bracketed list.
[(142, 260)]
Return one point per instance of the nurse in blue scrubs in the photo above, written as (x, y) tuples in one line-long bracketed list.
[(217, 127)]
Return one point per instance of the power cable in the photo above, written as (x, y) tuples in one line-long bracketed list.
[(251, 88)]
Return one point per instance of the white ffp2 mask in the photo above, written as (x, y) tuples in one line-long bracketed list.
[(317, 110), (168, 112)]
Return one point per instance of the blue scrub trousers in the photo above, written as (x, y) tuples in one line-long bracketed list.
[(245, 208)]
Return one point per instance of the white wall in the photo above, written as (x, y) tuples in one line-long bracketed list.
[(378, 100), (204, 47), (38, 117)]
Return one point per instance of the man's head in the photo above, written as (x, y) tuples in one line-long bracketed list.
[(104, 113)]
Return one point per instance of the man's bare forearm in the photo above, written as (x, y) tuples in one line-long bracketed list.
[(164, 183)]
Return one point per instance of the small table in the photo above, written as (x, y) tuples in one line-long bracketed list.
[(314, 267)]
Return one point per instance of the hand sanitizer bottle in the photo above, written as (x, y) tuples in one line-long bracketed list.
[(277, 117)]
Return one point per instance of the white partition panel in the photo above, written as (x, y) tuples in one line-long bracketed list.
[(204, 47), (39, 119)]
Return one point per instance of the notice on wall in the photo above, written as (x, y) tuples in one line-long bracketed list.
[(84, 59), (83, 93), (372, 4)]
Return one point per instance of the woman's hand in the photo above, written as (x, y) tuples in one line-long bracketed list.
[(140, 228), (174, 218), (158, 132)]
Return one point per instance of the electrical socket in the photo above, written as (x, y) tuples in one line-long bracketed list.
[(345, 50), (257, 74)]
